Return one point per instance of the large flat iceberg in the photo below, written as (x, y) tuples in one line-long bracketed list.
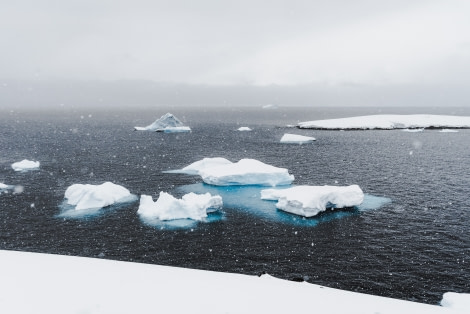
[(296, 139), (309, 201), (92, 285), (167, 123), (88, 196), (220, 171), (25, 165), (389, 122), (190, 206)]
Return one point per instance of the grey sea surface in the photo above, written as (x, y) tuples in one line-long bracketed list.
[(415, 247)]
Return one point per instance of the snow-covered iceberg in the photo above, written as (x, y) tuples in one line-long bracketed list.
[(167, 123), (244, 128), (220, 171), (456, 301), (389, 122), (25, 165), (88, 196), (296, 139), (190, 206), (308, 201)]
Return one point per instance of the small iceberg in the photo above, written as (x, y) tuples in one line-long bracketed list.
[(190, 206), (388, 122), (456, 301), (448, 131), (4, 187), (88, 196), (243, 128), (296, 139), (25, 165), (308, 201), (222, 172), (167, 123)]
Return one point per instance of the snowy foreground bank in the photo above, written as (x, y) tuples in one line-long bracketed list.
[(389, 122), (42, 283)]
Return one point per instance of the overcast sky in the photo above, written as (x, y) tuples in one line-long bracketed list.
[(256, 42)]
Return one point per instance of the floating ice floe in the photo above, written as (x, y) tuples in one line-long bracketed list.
[(25, 165), (308, 201), (448, 131), (244, 128), (167, 123), (247, 198), (456, 301), (220, 171), (5, 188), (190, 206), (88, 196), (390, 122), (296, 139)]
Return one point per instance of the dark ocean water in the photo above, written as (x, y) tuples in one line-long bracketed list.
[(415, 248)]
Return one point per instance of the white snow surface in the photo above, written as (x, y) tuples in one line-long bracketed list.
[(222, 172), (176, 129), (55, 284), (390, 122), (244, 128), (166, 123), (201, 165), (309, 201), (88, 196), (25, 165), (246, 172), (296, 139), (458, 301), (190, 206)]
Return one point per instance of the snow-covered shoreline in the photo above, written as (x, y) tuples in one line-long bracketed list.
[(44, 283), (387, 122)]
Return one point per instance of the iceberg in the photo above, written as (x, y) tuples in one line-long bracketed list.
[(4, 187), (167, 123), (296, 139), (415, 121), (25, 165), (222, 172), (309, 201), (448, 131), (88, 196), (456, 301), (190, 206), (244, 128)]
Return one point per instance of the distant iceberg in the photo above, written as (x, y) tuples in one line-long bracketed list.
[(309, 201), (448, 131), (191, 206), (222, 172), (296, 139), (88, 196), (415, 121), (167, 123), (4, 187), (25, 165), (244, 128), (413, 130)]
